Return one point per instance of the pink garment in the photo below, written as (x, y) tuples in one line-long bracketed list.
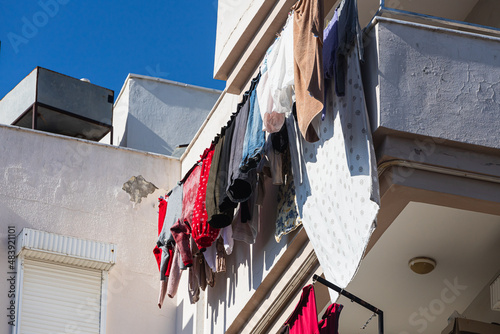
[(163, 292), (164, 283), (304, 319), (175, 275), (181, 231), (329, 324), (203, 234)]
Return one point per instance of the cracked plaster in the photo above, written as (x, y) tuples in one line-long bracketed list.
[(435, 83)]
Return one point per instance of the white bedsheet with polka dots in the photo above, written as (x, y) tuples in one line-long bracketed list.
[(339, 194)]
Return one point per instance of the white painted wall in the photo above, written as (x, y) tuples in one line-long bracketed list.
[(156, 115), (120, 116), (233, 18), (74, 187), (19, 99), (217, 118)]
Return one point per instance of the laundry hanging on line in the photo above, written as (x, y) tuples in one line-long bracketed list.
[(224, 187), (304, 318)]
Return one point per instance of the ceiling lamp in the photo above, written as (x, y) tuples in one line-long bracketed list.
[(422, 265)]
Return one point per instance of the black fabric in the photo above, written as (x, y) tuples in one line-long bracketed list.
[(349, 32), (285, 330), (216, 218), (246, 214), (225, 202), (280, 139), (224, 182), (240, 184)]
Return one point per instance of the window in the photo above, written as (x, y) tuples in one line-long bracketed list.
[(61, 283)]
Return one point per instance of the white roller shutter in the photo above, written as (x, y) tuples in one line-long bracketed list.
[(59, 299)]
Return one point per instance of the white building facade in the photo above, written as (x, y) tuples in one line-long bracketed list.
[(432, 98)]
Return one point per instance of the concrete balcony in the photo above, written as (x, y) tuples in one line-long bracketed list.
[(432, 81), (433, 99)]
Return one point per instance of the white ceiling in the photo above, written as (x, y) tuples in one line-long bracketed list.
[(466, 246)]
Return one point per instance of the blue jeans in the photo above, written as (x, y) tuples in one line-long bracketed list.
[(255, 138)]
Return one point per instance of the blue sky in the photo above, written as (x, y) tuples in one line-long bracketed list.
[(105, 40)]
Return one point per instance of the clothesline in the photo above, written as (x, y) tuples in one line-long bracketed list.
[(214, 141), (203, 207), (355, 299)]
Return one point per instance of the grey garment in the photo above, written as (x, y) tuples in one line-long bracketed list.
[(212, 197), (221, 256), (174, 213), (193, 287), (210, 275), (247, 232), (194, 280), (349, 32), (165, 258), (240, 184), (182, 266), (165, 239), (217, 180), (223, 201), (275, 163), (295, 148)]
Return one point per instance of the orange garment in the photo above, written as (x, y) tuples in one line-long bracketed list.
[(308, 59)]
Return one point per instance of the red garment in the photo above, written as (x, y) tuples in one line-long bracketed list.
[(157, 253), (161, 219), (304, 319), (170, 259), (189, 192), (329, 323), (203, 234), (181, 231)]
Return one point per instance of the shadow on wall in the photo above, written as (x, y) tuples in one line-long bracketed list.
[(172, 111), (188, 328), (11, 218), (217, 296), (245, 267), (223, 295), (138, 136), (266, 249)]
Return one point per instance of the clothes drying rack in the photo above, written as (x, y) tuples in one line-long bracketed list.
[(353, 298)]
